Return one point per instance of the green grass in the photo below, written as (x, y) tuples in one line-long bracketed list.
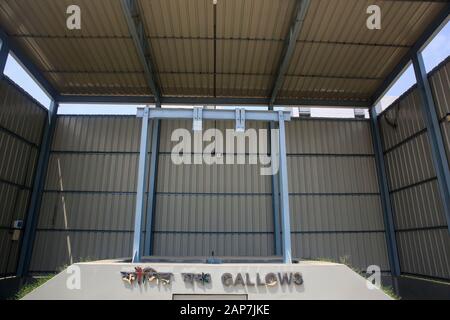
[(390, 292), (345, 260), (33, 284)]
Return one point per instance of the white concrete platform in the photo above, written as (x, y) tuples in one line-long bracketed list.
[(113, 280)]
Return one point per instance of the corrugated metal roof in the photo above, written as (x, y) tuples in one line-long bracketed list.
[(336, 56)]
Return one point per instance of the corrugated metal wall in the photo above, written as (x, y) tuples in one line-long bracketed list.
[(421, 228), (88, 205), (335, 203), (440, 85), (21, 125), (204, 208), (87, 211)]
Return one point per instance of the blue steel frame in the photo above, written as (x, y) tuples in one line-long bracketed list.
[(4, 51), (151, 201), (284, 192), (271, 116), (385, 196)]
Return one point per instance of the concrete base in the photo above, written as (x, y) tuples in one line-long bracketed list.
[(112, 280)]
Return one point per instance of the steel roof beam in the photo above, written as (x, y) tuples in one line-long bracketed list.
[(137, 29), (404, 63), (86, 99), (288, 51), (209, 114)]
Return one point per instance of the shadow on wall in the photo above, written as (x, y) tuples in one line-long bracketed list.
[(421, 289)]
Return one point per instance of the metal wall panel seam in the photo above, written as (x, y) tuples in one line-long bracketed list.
[(151, 193), (16, 136)]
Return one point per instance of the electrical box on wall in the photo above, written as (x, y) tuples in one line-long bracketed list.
[(17, 227), (15, 235), (18, 224)]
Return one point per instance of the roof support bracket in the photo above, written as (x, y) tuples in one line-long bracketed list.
[(137, 29), (240, 120), (198, 119), (140, 198), (278, 150), (288, 51)]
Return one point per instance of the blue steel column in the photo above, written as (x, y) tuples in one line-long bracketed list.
[(36, 196), (4, 50), (384, 193), (434, 133), (275, 197), (140, 199), (284, 193), (151, 202)]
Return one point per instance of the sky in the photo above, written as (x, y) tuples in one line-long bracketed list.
[(437, 50)]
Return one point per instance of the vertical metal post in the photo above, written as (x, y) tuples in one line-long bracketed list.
[(31, 219), (140, 199), (384, 194), (4, 50), (275, 196), (284, 192), (434, 133), (151, 202)]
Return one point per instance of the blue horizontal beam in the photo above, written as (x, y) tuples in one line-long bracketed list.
[(225, 101), (161, 113)]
